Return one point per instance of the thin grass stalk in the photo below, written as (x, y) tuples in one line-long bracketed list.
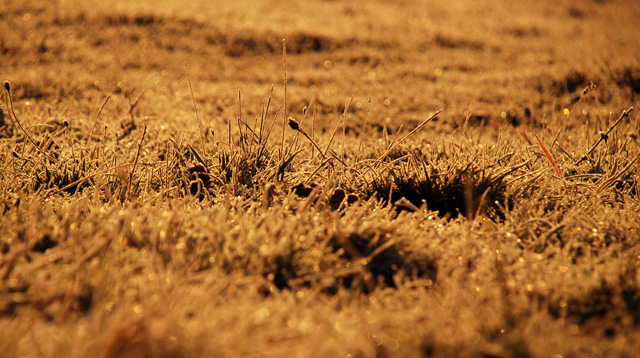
[(363, 130), (195, 109), (604, 136), (417, 128), (239, 119), (95, 120), (7, 87), (135, 163), (265, 115), (335, 130), (284, 117), (549, 157)]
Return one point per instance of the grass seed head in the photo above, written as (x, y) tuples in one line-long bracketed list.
[(294, 124)]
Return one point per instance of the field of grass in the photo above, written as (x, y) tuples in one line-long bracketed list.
[(412, 179)]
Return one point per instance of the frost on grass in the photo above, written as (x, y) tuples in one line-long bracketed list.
[(508, 227)]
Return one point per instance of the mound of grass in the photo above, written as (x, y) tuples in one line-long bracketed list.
[(452, 186)]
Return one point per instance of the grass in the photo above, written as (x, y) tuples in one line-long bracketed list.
[(172, 215)]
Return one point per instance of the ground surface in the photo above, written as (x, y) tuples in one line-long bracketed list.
[(132, 225)]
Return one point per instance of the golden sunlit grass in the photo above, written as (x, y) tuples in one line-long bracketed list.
[(162, 195)]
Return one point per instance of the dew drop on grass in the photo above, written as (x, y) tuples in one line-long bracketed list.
[(304, 326), (574, 329), (18, 297), (82, 331), (262, 313), (108, 307), (393, 345)]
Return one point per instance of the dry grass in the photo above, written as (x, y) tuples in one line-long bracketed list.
[(150, 212)]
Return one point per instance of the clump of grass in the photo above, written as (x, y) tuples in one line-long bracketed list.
[(66, 176), (612, 303), (379, 260), (569, 82), (460, 185)]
